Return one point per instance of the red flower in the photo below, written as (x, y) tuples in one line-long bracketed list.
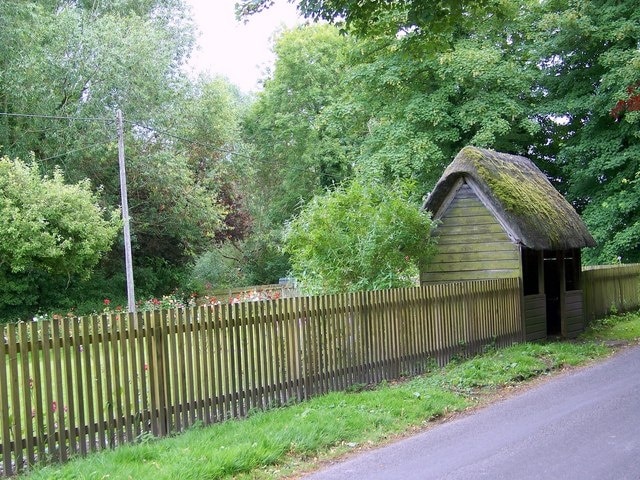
[(106, 301)]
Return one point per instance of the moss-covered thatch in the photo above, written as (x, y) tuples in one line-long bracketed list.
[(535, 212)]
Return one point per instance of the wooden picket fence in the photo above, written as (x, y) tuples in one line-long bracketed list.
[(609, 289), (73, 386)]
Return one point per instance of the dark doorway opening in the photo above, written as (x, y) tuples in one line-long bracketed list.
[(530, 272), (552, 290)]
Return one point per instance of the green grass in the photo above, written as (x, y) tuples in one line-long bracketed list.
[(285, 440), (624, 327)]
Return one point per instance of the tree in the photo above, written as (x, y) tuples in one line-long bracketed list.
[(434, 18), (52, 233), (590, 63), (210, 119), (359, 237), (294, 155), (83, 60), (414, 108)]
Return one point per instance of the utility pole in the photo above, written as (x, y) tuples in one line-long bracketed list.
[(131, 298)]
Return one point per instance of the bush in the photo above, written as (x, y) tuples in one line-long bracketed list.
[(52, 233), (359, 237)]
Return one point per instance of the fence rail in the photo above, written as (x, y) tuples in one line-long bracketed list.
[(72, 386)]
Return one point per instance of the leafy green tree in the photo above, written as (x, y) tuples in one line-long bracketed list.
[(433, 18), (210, 119), (294, 155), (414, 107), (359, 237), (82, 62), (590, 63), (52, 234)]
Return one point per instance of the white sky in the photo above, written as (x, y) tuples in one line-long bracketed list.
[(239, 51)]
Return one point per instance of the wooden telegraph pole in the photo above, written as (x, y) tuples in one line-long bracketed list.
[(131, 298)]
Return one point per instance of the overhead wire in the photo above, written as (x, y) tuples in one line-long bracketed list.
[(130, 122), (56, 117)]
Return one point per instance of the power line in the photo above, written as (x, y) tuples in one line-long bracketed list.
[(56, 117), (131, 122), (188, 140), (73, 151)]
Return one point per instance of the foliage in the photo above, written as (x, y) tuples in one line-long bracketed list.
[(590, 62), (359, 237), (615, 327), (294, 157), (435, 18), (220, 268), (82, 62), (210, 120), (51, 232), (414, 108)]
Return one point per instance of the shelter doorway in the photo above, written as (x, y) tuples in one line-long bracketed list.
[(552, 287)]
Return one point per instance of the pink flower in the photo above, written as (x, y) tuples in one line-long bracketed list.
[(106, 302), (54, 406)]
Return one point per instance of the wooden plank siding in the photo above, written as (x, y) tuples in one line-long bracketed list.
[(472, 245), (575, 313), (71, 386), (535, 317)]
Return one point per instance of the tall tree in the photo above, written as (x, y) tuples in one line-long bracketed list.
[(84, 60), (437, 19), (590, 62), (415, 107), (294, 155)]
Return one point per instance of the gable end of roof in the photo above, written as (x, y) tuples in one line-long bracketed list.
[(520, 194)]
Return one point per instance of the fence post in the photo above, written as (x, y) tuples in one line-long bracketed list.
[(157, 367)]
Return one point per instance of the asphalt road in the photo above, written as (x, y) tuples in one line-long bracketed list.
[(581, 425)]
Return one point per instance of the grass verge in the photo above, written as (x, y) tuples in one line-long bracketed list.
[(279, 442)]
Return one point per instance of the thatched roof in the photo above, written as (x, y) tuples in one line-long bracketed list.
[(535, 213)]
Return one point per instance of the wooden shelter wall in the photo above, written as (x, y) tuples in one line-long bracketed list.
[(535, 317), (574, 301), (472, 245)]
